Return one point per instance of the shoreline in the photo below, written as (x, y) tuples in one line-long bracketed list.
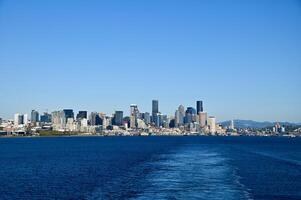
[(79, 136)]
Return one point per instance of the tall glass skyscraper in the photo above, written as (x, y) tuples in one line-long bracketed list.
[(199, 107), (155, 110), (155, 107), (34, 116), (82, 115), (118, 118)]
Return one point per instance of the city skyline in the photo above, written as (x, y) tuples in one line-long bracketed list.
[(241, 58), (185, 121), (154, 109)]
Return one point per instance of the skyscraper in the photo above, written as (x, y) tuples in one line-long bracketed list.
[(46, 118), (202, 119), (82, 115), (199, 107), (190, 115), (118, 118), (57, 120), (212, 124), (34, 116), (179, 116), (155, 109), (25, 119), (67, 113), (157, 119), (146, 118), (232, 124), (18, 119), (135, 115), (95, 119)]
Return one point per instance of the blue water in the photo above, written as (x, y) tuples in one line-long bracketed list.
[(150, 168)]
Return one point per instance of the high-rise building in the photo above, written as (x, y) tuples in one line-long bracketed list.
[(190, 115), (34, 116), (155, 107), (95, 119), (177, 118), (199, 107), (146, 118), (57, 120), (133, 121), (82, 115), (118, 118), (202, 119), (232, 125), (181, 114), (135, 115), (157, 119), (25, 119), (18, 119), (45, 118), (67, 114), (212, 124)]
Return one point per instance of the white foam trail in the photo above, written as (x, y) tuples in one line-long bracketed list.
[(193, 172)]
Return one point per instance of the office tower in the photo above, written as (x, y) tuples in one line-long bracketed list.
[(67, 113), (212, 124), (156, 119), (172, 123), (18, 119), (95, 119), (25, 119), (34, 116), (57, 117), (155, 107), (202, 119), (190, 115), (135, 115), (118, 118), (181, 110), (232, 125), (134, 111), (105, 120), (199, 107), (82, 115), (177, 118), (146, 118), (57, 120), (45, 118), (164, 121), (133, 121)]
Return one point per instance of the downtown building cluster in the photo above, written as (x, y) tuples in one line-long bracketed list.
[(184, 121)]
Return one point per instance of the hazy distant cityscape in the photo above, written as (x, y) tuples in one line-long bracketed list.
[(185, 121)]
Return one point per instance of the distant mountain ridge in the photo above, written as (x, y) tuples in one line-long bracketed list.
[(238, 123)]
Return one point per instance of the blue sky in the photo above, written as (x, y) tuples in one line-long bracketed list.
[(242, 58)]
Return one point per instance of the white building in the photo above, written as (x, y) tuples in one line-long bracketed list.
[(25, 119), (84, 123), (18, 119), (141, 124), (212, 124), (232, 125)]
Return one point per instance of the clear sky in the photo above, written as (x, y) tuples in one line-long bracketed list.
[(242, 58)]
